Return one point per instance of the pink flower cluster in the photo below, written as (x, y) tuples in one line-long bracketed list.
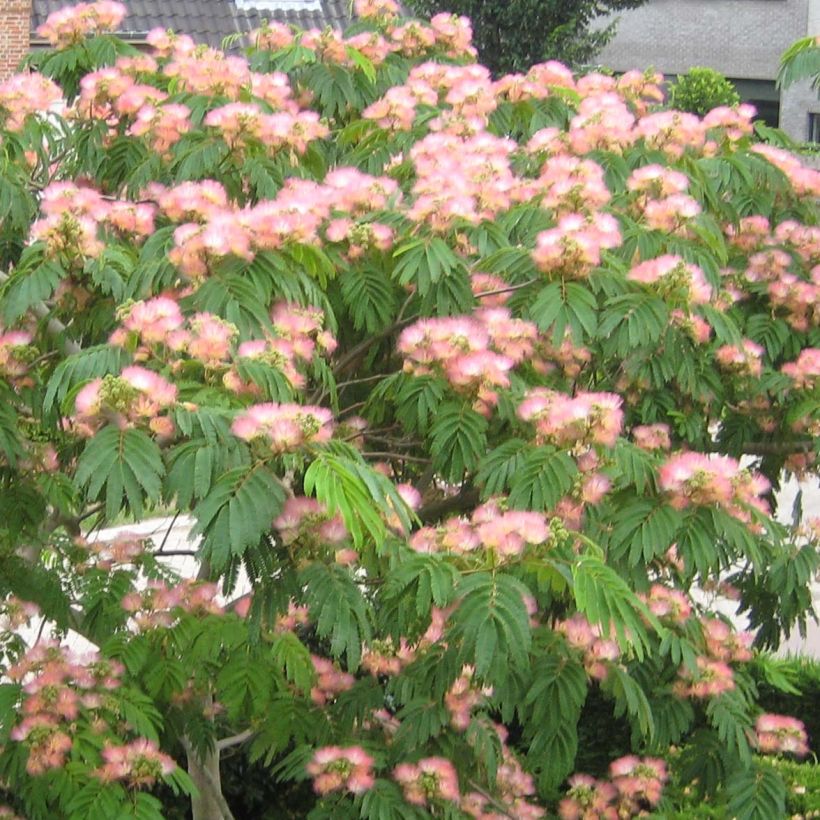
[(284, 427), (805, 371), (126, 548), (23, 95), (464, 696), (635, 785), (703, 480), (57, 686), (480, 181), (804, 180), (709, 679), (15, 613), (513, 786), (573, 248), (384, 658), (330, 681), (207, 338), (159, 605), (334, 768), (305, 523), (14, 353), (505, 533), (378, 9), (137, 397), (138, 763), (656, 182), (75, 214), (670, 605), (724, 643), (572, 185), (652, 436), (599, 652), (241, 124), (585, 419), (779, 734), (473, 353), (430, 781), (72, 24), (674, 279), (742, 360)]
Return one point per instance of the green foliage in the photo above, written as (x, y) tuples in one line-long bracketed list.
[(800, 61), (700, 90), (446, 498), (514, 35)]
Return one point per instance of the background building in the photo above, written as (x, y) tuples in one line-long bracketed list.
[(743, 39)]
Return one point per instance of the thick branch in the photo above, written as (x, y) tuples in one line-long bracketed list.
[(435, 510), (234, 740)]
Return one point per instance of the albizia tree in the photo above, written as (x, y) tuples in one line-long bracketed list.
[(471, 383)]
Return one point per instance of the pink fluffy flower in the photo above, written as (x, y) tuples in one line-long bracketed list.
[(139, 763), (286, 427), (671, 276), (71, 24), (334, 768), (431, 780), (779, 734)]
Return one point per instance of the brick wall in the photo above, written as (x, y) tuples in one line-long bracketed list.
[(15, 22)]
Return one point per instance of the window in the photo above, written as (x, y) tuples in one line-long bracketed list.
[(814, 127)]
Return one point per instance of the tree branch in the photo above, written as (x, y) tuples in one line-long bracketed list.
[(234, 740), (465, 500)]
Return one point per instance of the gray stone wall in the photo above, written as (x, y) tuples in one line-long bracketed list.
[(743, 39), (796, 102), (739, 38)]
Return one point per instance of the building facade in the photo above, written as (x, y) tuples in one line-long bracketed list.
[(743, 39)]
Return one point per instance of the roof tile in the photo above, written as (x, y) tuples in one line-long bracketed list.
[(208, 21)]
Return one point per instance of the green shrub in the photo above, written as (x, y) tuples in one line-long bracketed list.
[(700, 90), (799, 697)]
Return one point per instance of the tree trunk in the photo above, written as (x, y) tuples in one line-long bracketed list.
[(209, 804)]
